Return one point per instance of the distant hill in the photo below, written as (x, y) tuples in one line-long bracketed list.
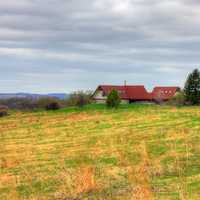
[(33, 96), (59, 95)]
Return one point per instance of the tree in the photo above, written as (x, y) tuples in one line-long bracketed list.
[(178, 99), (192, 88), (79, 98), (113, 99), (159, 98)]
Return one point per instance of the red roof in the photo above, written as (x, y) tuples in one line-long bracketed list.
[(164, 93), (136, 92)]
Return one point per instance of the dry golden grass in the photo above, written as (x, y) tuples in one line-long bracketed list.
[(135, 152)]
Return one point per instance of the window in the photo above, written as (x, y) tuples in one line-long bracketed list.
[(121, 91), (103, 94)]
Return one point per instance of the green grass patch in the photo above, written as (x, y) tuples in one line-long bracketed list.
[(108, 161), (157, 148)]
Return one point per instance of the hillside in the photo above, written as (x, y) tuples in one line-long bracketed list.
[(135, 152), (33, 96)]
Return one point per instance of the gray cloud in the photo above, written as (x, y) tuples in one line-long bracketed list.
[(67, 45)]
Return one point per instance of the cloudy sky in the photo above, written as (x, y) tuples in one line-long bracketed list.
[(66, 45)]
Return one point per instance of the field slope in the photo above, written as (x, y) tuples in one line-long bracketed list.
[(135, 152)]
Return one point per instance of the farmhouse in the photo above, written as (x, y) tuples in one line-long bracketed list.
[(135, 93)]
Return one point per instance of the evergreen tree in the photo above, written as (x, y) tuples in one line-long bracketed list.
[(113, 99), (192, 87)]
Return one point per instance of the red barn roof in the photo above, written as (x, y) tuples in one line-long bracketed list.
[(138, 92), (164, 93), (135, 92)]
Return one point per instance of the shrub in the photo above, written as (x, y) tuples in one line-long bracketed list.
[(53, 106), (79, 98), (3, 111), (113, 99), (49, 103), (178, 99)]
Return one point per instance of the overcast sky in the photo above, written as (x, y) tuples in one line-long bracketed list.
[(66, 45)]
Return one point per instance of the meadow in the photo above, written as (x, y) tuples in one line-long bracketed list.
[(134, 152)]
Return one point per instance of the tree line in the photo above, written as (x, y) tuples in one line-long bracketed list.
[(78, 99)]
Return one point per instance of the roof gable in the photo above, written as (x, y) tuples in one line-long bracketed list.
[(164, 92)]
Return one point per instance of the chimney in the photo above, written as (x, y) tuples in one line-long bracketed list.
[(125, 83)]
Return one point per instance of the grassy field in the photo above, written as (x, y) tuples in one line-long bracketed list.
[(136, 152)]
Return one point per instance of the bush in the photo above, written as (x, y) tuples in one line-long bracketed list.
[(3, 111), (113, 99), (178, 99), (49, 103), (79, 98), (53, 106)]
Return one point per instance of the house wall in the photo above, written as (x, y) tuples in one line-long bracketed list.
[(123, 101), (99, 95), (99, 98), (103, 101)]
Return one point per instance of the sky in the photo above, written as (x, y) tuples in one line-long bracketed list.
[(68, 45)]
